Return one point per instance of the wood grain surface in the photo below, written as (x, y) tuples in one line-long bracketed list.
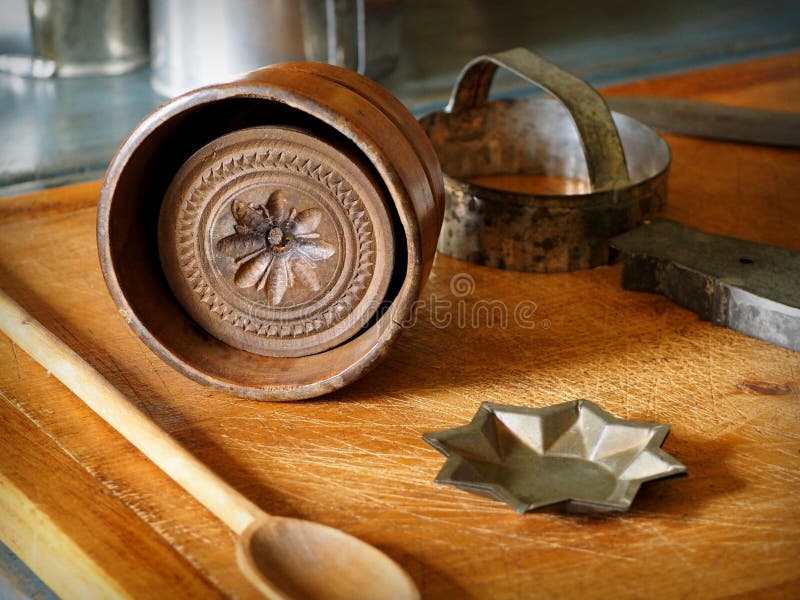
[(93, 517)]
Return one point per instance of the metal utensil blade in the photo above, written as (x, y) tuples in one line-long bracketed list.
[(712, 121)]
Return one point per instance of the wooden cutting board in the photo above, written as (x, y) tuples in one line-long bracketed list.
[(92, 517)]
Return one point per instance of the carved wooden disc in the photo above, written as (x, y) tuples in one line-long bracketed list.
[(276, 242)]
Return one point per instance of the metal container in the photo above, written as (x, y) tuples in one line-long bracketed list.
[(200, 42), (621, 164), (269, 236), (90, 37), (362, 35)]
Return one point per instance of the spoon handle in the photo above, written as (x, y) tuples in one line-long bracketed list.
[(111, 405)]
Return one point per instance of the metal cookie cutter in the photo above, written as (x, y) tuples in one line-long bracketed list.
[(620, 163)]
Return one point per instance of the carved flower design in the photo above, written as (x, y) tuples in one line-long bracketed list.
[(275, 246)]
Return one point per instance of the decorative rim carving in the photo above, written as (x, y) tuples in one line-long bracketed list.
[(305, 184)]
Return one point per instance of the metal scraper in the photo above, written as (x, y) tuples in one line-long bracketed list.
[(751, 288), (714, 121)]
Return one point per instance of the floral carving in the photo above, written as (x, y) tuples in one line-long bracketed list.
[(218, 185), (275, 246)]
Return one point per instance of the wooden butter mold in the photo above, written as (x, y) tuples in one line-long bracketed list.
[(269, 236)]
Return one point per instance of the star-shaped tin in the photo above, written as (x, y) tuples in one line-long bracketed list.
[(573, 454)]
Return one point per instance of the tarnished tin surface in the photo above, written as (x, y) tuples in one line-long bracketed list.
[(751, 288), (574, 455), (623, 162)]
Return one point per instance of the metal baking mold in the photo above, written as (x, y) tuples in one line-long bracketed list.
[(621, 164), (574, 455), (749, 287)]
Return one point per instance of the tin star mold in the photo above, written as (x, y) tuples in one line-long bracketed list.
[(573, 454)]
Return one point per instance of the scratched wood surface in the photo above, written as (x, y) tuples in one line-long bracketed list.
[(87, 512)]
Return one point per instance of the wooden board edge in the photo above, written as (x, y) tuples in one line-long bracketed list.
[(712, 79), (109, 551), (49, 202), (55, 558)]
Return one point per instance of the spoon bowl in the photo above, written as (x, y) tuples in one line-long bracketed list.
[(292, 558)]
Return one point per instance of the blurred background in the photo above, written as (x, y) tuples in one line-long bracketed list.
[(77, 75)]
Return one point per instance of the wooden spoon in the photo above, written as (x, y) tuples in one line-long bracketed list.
[(281, 557)]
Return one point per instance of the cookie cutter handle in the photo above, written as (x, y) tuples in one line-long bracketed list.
[(602, 148)]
